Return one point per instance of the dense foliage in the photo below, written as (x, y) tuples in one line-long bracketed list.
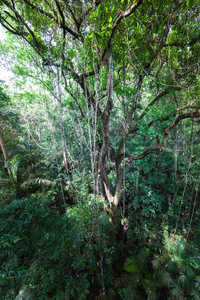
[(99, 150)]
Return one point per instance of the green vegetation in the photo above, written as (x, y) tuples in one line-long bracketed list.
[(99, 150)]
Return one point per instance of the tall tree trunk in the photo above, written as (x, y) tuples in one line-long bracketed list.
[(5, 153), (106, 192), (104, 181)]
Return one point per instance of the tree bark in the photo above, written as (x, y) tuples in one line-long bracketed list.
[(5, 153)]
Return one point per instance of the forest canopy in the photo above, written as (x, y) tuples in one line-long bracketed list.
[(100, 130)]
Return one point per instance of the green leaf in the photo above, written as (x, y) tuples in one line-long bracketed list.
[(98, 36), (190, 3), (113, 8), (125, 2), (98, 9), (130, 265)]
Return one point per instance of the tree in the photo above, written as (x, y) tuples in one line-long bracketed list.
[(3, 114), (127, 66)]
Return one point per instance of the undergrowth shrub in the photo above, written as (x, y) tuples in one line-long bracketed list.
[(172, 274), (45, 255)]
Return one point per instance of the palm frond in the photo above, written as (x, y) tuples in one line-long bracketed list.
[(14, 260), (14, 166), (142, 258), (150, 289), (176, 293), (157, 262), (24, 294), (36, 181), (172, 266), (195, 294), (166, 279), (151, 295), (7, 281), (123, 280), (188, 271), (182, 281), (130, 265), (197, 283)]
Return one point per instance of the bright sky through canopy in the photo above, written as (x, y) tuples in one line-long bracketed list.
[(5, 75)]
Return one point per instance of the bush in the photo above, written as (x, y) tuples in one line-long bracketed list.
[(51, 256)]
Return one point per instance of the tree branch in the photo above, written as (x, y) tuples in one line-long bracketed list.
[(49, 15), (159, 148), (163, 93), (75, 99), (135, 100), (188, 115), (176, 44), (164, 39), (63, 18), (11, 29), (127, 13), (187, 106)]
